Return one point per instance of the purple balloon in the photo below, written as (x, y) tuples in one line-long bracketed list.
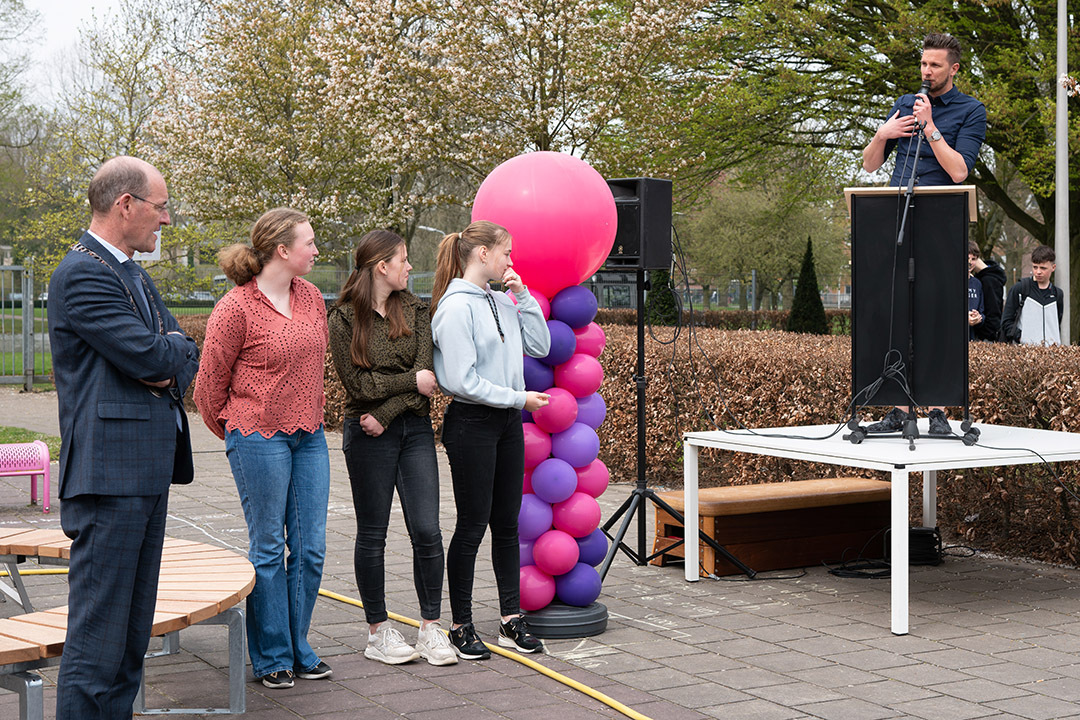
[(554, 480), (538, 376), (579, 587), (526, 416), (578, 445), (592, 548), (575, 306), (591, 410), (525, 548), (534, 518), (563, 342)]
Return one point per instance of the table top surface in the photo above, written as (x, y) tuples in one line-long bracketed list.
[(997, 445)]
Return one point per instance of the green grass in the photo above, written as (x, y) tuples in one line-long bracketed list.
[(12, 364), (20, 435)]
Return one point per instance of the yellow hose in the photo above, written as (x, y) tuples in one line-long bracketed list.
[(516, 657)]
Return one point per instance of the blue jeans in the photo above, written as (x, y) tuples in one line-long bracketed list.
[(284, 486), (402, 457)]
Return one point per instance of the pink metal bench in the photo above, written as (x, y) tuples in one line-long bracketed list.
[(28, 459)]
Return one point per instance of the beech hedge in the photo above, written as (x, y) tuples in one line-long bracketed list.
[(709, 378)]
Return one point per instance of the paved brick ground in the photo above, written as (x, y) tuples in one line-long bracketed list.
[(990, 638)]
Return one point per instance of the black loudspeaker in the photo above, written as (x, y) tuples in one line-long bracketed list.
[(909, 301), (643, 235)]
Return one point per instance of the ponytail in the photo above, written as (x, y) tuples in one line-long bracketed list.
[(454, 252), (448, 266)]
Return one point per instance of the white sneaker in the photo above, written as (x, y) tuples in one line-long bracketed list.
[(387, 645), (434, 646)]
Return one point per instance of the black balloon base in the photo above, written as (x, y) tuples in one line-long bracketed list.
[(559, 622)]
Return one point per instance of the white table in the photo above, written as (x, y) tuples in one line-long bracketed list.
[(997, 446)]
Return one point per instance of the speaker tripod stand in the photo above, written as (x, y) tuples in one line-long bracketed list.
[(635, 505)]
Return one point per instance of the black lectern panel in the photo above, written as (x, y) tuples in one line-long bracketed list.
[(911, 298)]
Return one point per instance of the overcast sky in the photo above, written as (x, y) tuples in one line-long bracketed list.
[(58, 32)]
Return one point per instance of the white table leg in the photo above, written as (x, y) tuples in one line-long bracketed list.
[(929, 498), (690, 510), (899, 550)]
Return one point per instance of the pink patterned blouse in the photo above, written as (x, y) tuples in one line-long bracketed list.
[(261, 371)]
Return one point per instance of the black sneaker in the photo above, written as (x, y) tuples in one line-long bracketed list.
[(939, 425), (515, 634), (279, 680), (893, 422), (320, 671), (467, 644)]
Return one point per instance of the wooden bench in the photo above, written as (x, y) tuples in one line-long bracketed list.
[(772, 526), (199, 583)]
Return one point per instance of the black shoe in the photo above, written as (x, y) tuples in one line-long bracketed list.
[(320, 671), (279, 680), (515, 634), (893, 422), (939, 425), (467, 644)]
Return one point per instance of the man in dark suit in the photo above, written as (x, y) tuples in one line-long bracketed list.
[(121, 366)]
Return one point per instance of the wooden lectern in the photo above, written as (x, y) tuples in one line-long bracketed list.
[(909, 299)]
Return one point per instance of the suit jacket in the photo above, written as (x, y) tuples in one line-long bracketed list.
[(119, 436)]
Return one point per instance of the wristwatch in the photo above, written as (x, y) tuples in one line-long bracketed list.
[(934, 136)]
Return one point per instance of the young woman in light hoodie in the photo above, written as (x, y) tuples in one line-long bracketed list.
[(479, 338)]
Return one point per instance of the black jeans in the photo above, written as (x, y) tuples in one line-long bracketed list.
[(486, 450), (402, 457)]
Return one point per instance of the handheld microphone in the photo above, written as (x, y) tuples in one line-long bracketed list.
[(924, 90)]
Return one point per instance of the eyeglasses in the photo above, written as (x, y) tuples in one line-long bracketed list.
[(160, 207)]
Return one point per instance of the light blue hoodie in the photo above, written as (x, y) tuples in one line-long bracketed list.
[(472, 362)]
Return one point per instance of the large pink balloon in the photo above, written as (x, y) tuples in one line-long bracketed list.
[(593, 479), (537, 588), (560, 213)]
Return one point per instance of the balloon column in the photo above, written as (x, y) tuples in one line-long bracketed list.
[(561, 215), (561, 544)]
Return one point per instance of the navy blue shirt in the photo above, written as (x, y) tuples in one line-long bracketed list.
[(960, 118)]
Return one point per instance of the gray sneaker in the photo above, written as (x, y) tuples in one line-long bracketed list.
[(434, 646), (388, 646), (893, 422), (939, 424)]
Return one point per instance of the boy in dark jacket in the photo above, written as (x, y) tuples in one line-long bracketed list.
[(992, 277)]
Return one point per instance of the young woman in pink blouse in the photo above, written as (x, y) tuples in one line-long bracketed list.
[(260, 388)]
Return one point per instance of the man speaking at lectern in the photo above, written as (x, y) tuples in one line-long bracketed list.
[(953, 124)]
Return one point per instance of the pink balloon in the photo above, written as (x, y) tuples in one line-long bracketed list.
[(537, 588), (591, 339), (578, 515), (526, 482), (582, 375), (560, 412), (555, 552), (541, 300), (560, 213), (537, 445), (593, 479)]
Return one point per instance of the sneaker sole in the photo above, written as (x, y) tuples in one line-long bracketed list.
[(277, 686), (467, 656), (314, 676), (452, 660), (508, 643), (373, 654)]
